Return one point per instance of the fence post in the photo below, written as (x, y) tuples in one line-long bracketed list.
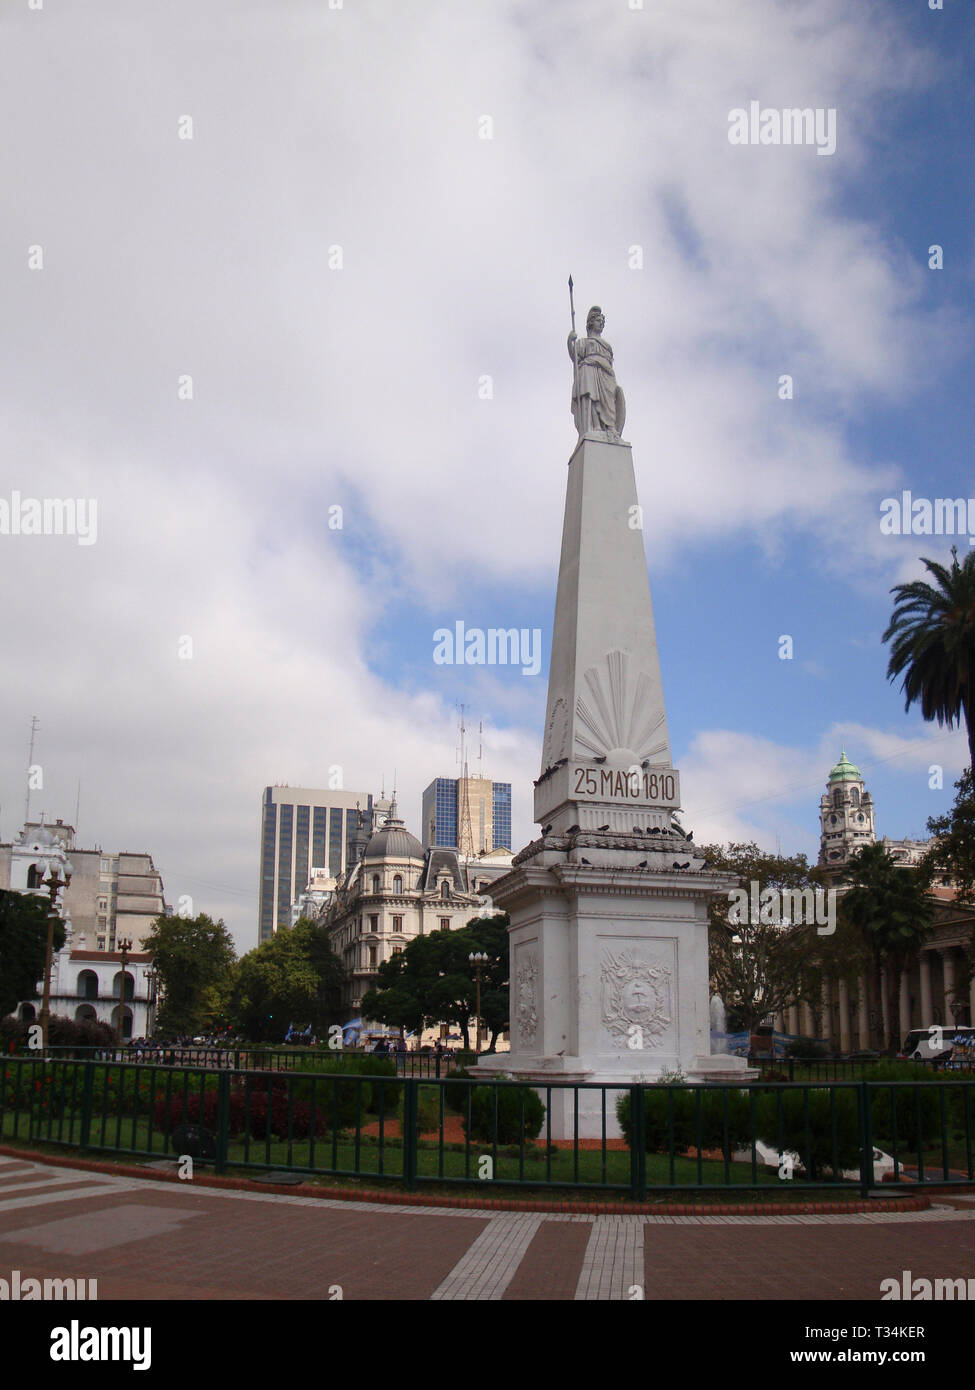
[(223, 1120), (866, 1140), (638, 1145), (410, 1134), (87, 1087)]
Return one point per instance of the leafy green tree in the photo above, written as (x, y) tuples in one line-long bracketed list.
[(952, 858), (195, 958), (23, 942), (932, 632), (887, 906), (761, 967), (432, 981), (952, 855), (295, 977)]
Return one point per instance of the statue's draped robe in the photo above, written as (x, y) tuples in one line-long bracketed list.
[(597, 382)]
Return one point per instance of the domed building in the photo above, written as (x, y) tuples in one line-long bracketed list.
[(845, 814), (935, 987), (396, 891)]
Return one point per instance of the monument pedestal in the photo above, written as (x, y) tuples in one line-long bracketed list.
[(609, 972)]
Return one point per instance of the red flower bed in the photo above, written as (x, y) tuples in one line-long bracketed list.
[(251, 1114)]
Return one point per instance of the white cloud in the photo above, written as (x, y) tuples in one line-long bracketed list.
[(359, 128)]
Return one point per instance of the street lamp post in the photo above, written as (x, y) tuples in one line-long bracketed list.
[(53, 883), (152, 975), (478, 959), (125, 946)]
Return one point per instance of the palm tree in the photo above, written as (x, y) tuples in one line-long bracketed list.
[(887, 907), (932, 630)]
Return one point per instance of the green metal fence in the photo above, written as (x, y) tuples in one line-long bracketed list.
[(840, 1068), (676, 1138), (254, 1056)]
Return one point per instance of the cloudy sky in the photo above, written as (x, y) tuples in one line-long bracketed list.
[(300, 255)]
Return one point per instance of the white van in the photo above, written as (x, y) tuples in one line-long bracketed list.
[(934, 1044)]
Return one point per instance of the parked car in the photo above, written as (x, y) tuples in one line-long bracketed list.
[(769, 1157)]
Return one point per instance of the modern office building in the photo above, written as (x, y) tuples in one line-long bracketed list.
[(469, 814), (304, 828)]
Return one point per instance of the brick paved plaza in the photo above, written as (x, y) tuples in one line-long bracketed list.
[(143, 1239)]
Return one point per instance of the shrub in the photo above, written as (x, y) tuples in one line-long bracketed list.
[(68, 1032), (915, 1109), (61, 1032), (716, 1117), (806, 1048), (455, 1097), (520, 1113), (372, 1096), (801, 1120), (428, 1108), (252, 1112)]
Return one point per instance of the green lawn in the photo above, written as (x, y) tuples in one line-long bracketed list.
[(339, 1154)]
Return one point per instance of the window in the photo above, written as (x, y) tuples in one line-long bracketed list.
[(374, 923), (372, 955), (445, 924), (375, 883), (397, 950), (102, 904), (855, 796), (397, 924), (88, 984), (838, 796), (397, 883), (445, 889), (34, 877)]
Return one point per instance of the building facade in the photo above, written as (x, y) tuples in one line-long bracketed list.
[(397, 891), (469, 814), (932, 989), (111, 896), (87, 986), (302, 829)]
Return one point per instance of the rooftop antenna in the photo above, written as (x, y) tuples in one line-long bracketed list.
[(77, 808), (30, 765), (480, 748), (465, 834)]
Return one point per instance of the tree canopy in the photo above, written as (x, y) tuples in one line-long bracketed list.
[(932, 636), (760, 963), (194, 957), (23, 942), (887, 907), (432, 981), (295, 977)]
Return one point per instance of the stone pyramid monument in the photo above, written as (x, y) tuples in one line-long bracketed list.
[(608, 907)]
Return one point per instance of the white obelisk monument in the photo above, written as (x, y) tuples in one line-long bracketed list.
[(609, 926)]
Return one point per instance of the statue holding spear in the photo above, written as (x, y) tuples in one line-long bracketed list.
[(598, 404)]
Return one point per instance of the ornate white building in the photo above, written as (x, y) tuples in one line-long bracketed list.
[(847, 823), (397, 891), (930, 990)]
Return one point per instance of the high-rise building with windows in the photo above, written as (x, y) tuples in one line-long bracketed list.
[(304, 828), (469, 814)]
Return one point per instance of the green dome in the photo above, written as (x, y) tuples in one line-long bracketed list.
[(844, 771)]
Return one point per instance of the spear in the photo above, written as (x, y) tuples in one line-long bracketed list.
[(575, 360)]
